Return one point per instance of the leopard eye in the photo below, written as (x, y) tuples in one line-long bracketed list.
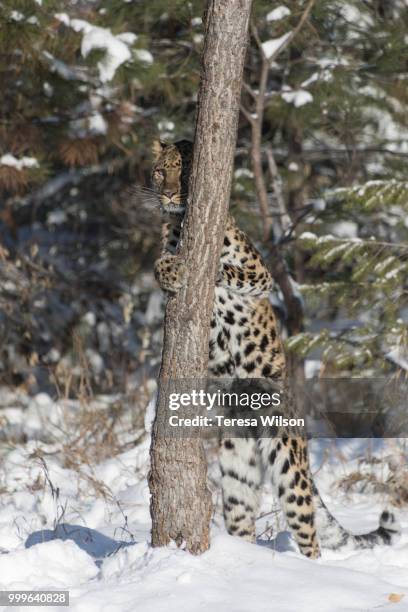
[(158, 174)]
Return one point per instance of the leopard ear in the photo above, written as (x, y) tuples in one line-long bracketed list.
[(157, 148)]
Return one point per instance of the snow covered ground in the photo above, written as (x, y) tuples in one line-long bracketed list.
[(84, 526)]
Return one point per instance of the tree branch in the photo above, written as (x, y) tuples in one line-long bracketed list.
[(278, 264), (276, 181)]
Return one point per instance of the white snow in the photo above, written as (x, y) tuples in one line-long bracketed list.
[(89, 318), (166, 125), (312, 368), (278, 13), (49, 565), (97, 124), (150, 414), (16, 16), (360, 18), (53, 356), (56, 217), (95, 361), (89, 532), (399, 355), (331, 62), (382, 126), (241, 577), (116, 48), (308, 236), (127, 37), (48, 89), (312, 79), (63, 18), (345, 229), (270, 47), (298, 97), (24, 162), (143, 55), (117, 51), (243, 172)]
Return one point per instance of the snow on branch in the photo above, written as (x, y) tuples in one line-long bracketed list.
[(280, 12), (19, 164), (117, 47)]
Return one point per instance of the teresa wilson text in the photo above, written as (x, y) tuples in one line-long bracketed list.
[(223, 421)]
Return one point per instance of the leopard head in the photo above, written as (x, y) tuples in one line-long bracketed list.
[(170, 174)]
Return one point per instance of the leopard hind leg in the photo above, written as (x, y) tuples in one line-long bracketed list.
[(286, 464)]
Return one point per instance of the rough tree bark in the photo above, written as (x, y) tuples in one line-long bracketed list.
[(180, 501)]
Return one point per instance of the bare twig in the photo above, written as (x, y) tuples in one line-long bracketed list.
[(276, 181)]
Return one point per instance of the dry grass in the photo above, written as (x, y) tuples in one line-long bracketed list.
[(386, 476), (88, 431)]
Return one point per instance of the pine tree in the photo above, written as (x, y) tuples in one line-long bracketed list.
[(364, 277)]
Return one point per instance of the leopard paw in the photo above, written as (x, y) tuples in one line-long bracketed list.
[(170, 272)]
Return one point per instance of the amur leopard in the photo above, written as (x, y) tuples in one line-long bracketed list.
[(244, 342)]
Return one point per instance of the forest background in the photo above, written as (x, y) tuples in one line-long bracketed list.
[(318, 183)]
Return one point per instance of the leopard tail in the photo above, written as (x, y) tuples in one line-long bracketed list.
[(333, 536)]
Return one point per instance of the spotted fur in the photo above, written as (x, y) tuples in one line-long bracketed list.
[(244, 343)]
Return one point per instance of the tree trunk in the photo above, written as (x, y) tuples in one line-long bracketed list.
[(180, 500)]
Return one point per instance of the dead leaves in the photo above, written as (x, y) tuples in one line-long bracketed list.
[(79, 152), (12, 179), (395, 597)]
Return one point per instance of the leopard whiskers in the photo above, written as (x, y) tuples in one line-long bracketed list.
[(148, 197), (146, 189)]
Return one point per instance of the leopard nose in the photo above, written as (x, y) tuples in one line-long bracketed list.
[(169, 194)]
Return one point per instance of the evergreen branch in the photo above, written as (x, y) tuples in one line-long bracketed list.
[(386, 354), (371, 195), (312, 240)]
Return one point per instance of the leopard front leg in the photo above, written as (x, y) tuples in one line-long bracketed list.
[(170, 272)]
